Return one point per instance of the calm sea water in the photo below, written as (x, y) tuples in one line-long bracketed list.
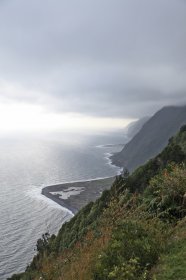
[(26, 165)]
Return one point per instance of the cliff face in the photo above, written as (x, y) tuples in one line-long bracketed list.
[(134, 127), (152, 137)]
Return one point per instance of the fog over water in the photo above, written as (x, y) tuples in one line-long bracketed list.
[(26, 165)]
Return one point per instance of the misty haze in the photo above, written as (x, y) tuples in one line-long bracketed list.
[(92, 140)]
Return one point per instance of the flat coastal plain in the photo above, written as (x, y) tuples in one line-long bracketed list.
[(75, 195)]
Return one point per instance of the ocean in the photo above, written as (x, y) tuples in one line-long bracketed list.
[(27, 164)]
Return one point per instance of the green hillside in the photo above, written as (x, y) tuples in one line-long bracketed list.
[(136, 230)]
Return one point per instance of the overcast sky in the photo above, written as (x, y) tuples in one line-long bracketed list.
[(109, 59)]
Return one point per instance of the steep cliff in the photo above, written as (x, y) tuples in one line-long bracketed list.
[(152, 137)]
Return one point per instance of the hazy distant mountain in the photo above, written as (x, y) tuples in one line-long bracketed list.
[(134, 127), (152, 137)]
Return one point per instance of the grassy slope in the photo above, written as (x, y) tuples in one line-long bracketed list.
[(83, 248), (172, 264)]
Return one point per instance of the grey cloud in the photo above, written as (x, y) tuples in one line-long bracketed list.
[(111, 58)]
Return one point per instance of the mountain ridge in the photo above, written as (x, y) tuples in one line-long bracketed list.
[(134, 127), (152, 137)]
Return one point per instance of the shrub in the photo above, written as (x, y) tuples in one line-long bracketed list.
[(131, 250), (166, 192)]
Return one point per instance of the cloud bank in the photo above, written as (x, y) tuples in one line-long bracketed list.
[(108, 58)]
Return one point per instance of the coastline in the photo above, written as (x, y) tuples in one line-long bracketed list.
[(109, 157), (89, 190)]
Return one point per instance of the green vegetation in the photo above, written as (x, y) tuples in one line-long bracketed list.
[(131, 251), (172, 264), (136, 230)]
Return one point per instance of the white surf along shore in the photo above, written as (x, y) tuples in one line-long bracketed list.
[(73, 195)]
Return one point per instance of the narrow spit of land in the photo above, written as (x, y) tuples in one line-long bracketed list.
[(74, 196)]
